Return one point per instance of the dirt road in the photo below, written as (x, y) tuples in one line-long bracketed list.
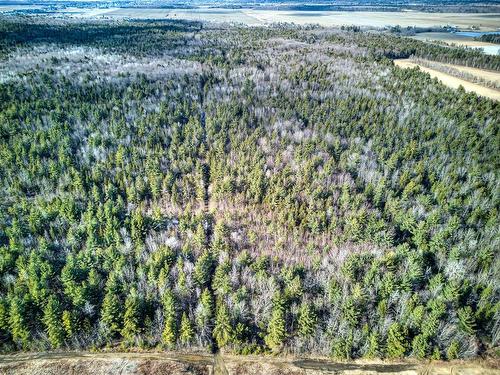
[(83, 363), (451, 81)]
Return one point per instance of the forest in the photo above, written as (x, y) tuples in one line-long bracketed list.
[(270, 190)]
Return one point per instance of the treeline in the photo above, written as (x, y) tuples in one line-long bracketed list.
[(396, 47), (253, 190), (490, 38)]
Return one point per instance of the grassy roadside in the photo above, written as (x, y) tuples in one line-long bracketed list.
[(199, 363)]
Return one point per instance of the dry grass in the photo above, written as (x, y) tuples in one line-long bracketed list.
[(455, 82), (380, 19), (172, 363), (487, 75), (486, 21)]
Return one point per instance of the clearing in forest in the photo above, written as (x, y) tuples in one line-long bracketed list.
[(455, 82)]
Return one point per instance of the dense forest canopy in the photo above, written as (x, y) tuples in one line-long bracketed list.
[(253, 190)]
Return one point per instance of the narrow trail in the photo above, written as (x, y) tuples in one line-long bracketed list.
[(219, 365), (205, 167)]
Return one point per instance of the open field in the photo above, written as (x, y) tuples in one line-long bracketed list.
[(254, 17), (455, 82), (19, 7), (380, 19), (175, 363), (487, 75), (263, 17)]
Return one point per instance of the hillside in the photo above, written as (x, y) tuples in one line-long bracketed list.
[(284, 190)]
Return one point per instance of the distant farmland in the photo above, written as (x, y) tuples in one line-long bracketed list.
[(485, 21)]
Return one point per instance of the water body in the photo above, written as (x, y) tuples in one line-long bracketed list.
[(461, 38), (475, 34), (489, 50)]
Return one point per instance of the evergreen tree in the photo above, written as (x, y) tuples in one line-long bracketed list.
[(466, 320), (200, 237), (221, 282), (4, 315), (52, 319), (132, 316), (307, 319), (68, 323), (205, 310), (222, 331), (342, 346), (436, 354), (452, 351), (276, 329), (373, 346), (169, 335), (111, 311), (396, 341), (186, 332), (420, 346), (203, 269), (138, 229), (18, 322)]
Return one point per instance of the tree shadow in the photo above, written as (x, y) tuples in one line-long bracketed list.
[(313, 364), (143, 34)]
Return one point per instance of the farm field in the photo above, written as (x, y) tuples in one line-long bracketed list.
[(258, 17), (380, 19), (455, 82)]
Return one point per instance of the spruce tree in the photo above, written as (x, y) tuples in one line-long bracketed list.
[(396, 341), (466, 320), (373, 346), (18, 321), (452, 351), (342, 346), (222, 330), (132, 316), (111, 311), (276, 329), (137, 229), (52, 320), (205, 311), (4, 314), (68, 323), (169, 334), (186, 332), (221, 282), (200, 237), (203, 269), (307, 320), (420, 346)]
